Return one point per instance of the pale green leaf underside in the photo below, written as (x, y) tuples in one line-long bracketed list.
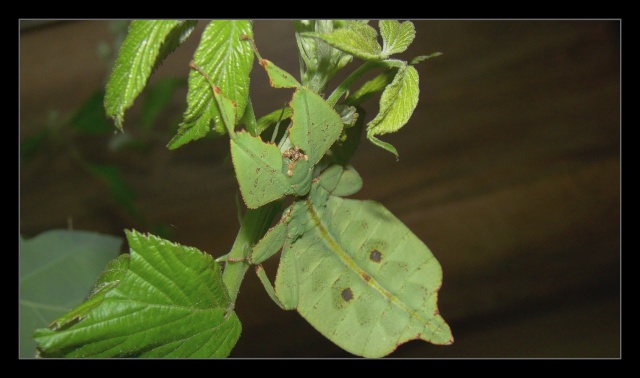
[(147, 43), (57, 270), (397, 103), (171, 302), (361, 278), (358, 39), (227, 59), (396, 36)]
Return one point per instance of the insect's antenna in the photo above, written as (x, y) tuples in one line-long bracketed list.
[(245, 37)]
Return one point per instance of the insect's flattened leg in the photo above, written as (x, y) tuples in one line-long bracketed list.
[(262, 276), (270, 243), (286, 283)]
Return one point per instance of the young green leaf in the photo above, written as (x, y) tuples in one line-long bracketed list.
[(319, 60), (396, 36), (357, 38), (57, 269), (397, 103), (227, 59), (147, 43), (171, 302)]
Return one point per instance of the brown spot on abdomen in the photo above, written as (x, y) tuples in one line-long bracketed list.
[(375, 256), (347, 294)]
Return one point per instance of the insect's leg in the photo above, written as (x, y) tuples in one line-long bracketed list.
[(262, 275)]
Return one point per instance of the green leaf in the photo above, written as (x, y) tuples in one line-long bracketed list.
[(258, 166), (90, 118), (396, 36), (383, 145), (119, 189), (147, 43), (157, 98), (171, 302), (57, 270), (357, 38), (227, 60), (320, 61), (397, 103)]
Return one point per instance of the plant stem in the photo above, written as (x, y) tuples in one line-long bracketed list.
[(355, 75), (255, 224)]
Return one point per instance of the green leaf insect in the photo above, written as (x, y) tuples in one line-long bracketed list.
[(162, 300), (264, 171), (353, 270)]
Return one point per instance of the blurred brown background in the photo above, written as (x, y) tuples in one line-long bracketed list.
[(509, 171)]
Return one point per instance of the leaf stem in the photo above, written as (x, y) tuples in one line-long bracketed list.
[(344, 86)]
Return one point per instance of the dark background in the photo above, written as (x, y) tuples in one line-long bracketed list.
[(509, 171)]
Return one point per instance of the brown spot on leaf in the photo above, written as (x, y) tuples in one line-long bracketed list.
[(366, 277), (375, 256), (347, 294)]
